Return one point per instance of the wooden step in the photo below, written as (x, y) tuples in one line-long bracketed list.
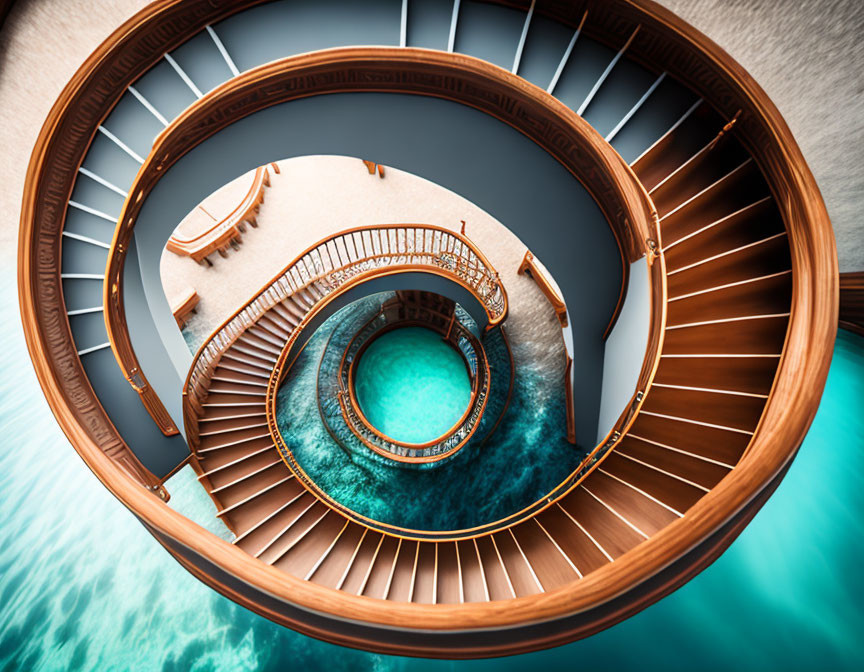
[(240, 361), (757, 336), (762, 258), (253, 485), (252, 354), (379, 573), (250, 517), (572, 539), (697, 470), (728, 411), (354, 576), (279, 323), (332, 568), (403, 571), (249, 438), (235, 471), (753, 222), (497, 578), (704, 168), (613, 535), (688, 135), (739, 187), (268, 333), (260, 346), (425, 588), (250, 471), (221, 461), (720, 445), (225, 413), (219, 384), (243, 375), (474, 588), (741, 374), (281, 314), (769, 295), (216, 398), (550, 564), (280, 516), (678, 493), (643, 511), (522, 574), (215, 427), (295, 308)]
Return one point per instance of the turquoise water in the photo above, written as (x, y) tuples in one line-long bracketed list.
[(411, 385), (523, 460), (84, 587)]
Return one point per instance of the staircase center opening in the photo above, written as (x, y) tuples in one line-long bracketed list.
[(412, 385)]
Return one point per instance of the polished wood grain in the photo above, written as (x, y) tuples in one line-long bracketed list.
[(185, 304), (486, 87), (852, 302), (613, 590), (530, 267), (223, 231)]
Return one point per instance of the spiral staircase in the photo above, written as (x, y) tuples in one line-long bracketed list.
[(702, 179)]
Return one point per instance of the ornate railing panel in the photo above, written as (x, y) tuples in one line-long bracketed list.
[(341, 261), (450, 442)]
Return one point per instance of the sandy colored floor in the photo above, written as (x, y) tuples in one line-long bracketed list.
[(807, 55), (313, 198)]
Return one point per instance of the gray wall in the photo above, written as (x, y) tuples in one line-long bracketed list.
[(453, 145)]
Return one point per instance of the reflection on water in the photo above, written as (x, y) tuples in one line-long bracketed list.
[(526, 457), (412, 385), (84, 587)]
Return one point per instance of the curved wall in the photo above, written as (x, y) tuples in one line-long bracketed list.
[(457, 147), (725, 510), (624, 349)]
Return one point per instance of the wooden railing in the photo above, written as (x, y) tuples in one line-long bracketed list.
[(550, 123), (462, 430), (852, 302), (609, 593), (333, 266), (532, 268), (226, 230), (184, 305)]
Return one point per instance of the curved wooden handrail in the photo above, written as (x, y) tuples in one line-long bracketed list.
[(184, 305), (634, 580), (852, 302), (563, 133), (374, 251), (222, 231), (530, 266), (417, 453)]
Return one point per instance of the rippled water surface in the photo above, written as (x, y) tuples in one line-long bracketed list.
[(411, 385), (526, 457), (84, 587)]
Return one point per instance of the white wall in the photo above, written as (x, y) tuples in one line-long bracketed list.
[(625, 349)]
